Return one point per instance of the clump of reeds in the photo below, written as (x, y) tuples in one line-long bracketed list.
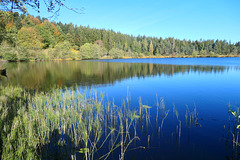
[(77, 124), (234, 127), (232, 134), (64, 112), (192, 117)]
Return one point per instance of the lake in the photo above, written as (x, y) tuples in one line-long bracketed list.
[(203, 86)]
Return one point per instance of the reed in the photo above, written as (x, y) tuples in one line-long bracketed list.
[(68, 123), (179, 127), (191, 117), (165, 116), (233, 130), (63, 113)]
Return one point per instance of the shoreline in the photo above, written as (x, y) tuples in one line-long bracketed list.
[(125, 57), (145, 57)]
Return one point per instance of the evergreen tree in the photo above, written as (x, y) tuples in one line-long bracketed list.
[(33, 32)]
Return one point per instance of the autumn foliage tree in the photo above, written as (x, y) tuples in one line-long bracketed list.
[(30, 21), (29, 38), (49, 33), (8, 29), (22, 34), (99, 42)]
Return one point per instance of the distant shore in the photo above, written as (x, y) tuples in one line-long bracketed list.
[(199, 56), (125, 57)]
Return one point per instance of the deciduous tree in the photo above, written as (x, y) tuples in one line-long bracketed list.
[(29, 38)]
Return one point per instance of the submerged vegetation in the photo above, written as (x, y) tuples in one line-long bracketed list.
[(74, 125), (24, 37)]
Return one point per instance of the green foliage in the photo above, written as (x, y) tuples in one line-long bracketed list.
[(29, 38), (116, 53), (62, 50), (195, 53), (11, 33), (151, 49), (33, 121), (144, 46), (35, 33), (49, 33), (15, 53), (23, 53), (212, 54), (125, 47), (30, 21), (91, 51), (157, 52), (8, 52), (8, 29), (203, 52)]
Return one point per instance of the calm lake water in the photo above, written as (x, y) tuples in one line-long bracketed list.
[(207, 84)]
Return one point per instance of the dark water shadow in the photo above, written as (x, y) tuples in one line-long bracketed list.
[(59, 147)]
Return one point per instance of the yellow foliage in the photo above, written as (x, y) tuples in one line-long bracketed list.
[(74, 51), (57, 33), (9, 25), (126, 57), (30, 19), (29, 38)]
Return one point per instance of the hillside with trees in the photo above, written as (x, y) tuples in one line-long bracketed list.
[(25, 37)]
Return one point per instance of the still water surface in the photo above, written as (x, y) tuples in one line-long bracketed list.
[(209, 84)]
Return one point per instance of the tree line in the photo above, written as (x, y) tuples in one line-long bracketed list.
[(25, 37)]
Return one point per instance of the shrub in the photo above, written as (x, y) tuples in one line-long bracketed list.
[(92, 51), (212, 54), (116, 53), (8, 52), (195, 53), (203, 52)]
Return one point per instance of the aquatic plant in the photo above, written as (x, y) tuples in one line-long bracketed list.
[(73, 124), (191, 117), (35, 120), (232, 134)]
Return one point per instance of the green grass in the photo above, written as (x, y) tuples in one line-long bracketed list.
[(30, 120), (67, 123)]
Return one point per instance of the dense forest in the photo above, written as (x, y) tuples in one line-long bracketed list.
[(24, 37)]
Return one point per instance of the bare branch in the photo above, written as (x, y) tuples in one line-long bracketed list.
[(53, 6)]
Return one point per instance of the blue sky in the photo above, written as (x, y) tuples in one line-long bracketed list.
[(189, 19)]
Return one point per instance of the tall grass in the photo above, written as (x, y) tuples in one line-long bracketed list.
[(31, 121), (74, 125)]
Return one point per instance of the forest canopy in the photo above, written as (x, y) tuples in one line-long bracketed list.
[(25, 37)]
